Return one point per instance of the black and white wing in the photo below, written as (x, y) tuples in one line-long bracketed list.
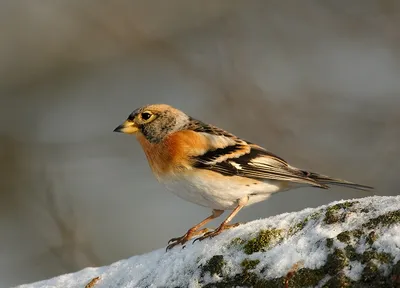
[(232, 156)]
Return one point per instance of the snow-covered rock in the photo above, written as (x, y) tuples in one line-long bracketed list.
[(352, 243)]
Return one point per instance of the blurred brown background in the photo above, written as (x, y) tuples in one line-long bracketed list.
[(316, 82)]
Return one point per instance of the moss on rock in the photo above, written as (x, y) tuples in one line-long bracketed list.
[(371, 238), (344, 237), (214, 265), (351, 253), (338, 281), (249, 264), (236, 242), (332, 272), (334, 214), (395, 275), (306, 277), (381, 257), (329, 242), (357, 233), (262, 241), (336, 261), (386, 219), (300, 225), (370, 272)]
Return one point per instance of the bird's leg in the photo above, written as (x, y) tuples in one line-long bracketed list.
[(224, 225), (194, 231)]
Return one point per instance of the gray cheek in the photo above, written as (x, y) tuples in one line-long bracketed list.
[(156, 131), (153, 133)]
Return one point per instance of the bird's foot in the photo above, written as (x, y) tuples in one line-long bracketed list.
[(216, 232), (229, 226), (183, 239)]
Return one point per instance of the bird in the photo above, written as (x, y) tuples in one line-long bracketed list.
[(211, 167)]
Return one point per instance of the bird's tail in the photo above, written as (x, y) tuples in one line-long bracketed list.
[(326, 180)]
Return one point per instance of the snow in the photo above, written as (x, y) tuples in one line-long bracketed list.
[(183, 267)]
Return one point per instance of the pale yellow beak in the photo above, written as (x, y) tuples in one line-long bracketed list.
[(128, 127)]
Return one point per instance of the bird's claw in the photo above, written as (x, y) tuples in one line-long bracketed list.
[(210, 235), (179, 240), (175, 239), (216, 232), (182, 240)]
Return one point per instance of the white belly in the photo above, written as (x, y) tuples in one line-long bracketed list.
[(222, 195)]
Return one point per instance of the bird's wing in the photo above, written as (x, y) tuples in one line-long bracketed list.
[(232, 156)]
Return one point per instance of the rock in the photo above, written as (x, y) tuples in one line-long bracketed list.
[(352, 243)]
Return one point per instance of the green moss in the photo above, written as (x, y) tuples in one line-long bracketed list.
[(395, 275), (329, 242), (302, 278), (262, 241), (214, 265), (336, 262), (338, 281), (248, 264), (299, 226), (236, 242), (367, 256), (306, 277), (386, 219), (333, 215), (344, 237), (246, 280), (382, 257), (372, 237), (365, 210), (370, 272), (351, 253), (357, 233)]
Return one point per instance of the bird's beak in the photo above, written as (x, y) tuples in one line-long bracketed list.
[(128, 127)]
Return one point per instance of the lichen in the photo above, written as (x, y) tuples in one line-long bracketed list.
[(262, 241), (386, 219), (332, 214)]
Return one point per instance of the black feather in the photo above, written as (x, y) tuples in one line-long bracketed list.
[(214, 154)]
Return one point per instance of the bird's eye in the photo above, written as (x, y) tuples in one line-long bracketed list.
[(146, 116)]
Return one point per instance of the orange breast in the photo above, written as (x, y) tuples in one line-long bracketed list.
[(172, 155)]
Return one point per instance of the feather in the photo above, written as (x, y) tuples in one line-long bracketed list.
[(240, 158), (232, 156), (337, 182)]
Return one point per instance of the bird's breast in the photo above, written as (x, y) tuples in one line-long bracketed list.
[(172, 156)]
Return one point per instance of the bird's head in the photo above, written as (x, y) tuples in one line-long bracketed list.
[(155, 122)]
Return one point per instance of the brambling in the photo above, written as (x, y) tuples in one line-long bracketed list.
[(208, 166)]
